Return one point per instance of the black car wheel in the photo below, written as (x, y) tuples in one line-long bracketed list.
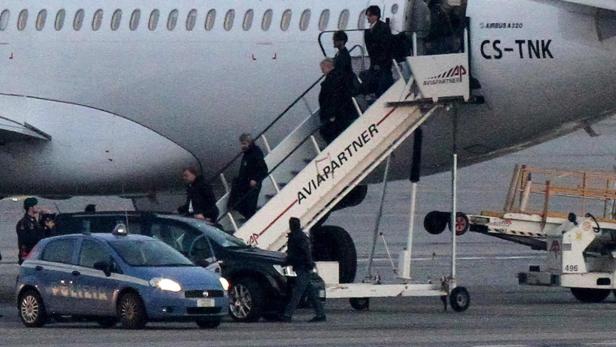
[(31, 309), (245, 300), (131, 311), (208, 323)]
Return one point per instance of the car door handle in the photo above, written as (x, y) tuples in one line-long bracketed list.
[(38, 268), (76, 273)]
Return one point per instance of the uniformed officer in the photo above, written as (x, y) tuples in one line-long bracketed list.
[(29, 230)]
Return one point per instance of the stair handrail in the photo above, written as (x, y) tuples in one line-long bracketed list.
[(273, 122), (269, 126)]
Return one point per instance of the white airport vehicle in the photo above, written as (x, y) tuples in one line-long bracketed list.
[(535, 205), (581, 256)]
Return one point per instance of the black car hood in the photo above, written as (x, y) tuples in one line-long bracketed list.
[(257, 254)]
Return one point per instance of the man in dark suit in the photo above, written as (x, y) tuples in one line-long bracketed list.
[(337, 111), (378, 43), (247, 185), (200, 199), (342, 62)]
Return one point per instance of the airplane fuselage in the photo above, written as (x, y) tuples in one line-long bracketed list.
[(129, 103)]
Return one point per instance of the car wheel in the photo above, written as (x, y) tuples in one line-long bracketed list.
[(459, 299), (107, 322), (590, 295), (31, 309), (208, 323), (245, 300), (360, 304), (131, 311)]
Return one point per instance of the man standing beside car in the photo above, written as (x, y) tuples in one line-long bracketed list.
[(299, 256), (200, 199), (29, 230)]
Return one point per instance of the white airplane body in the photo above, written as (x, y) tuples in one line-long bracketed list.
[(86, 112)]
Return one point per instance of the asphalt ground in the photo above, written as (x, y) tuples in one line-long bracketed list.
[(501, 313)]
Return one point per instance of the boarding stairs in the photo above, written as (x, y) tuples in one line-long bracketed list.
[(307, 180)]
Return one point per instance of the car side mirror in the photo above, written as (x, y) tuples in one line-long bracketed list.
[(104, 267)]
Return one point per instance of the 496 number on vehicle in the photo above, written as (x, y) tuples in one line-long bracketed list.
[(571, 268)]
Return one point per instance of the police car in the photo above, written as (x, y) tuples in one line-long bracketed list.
[(115, 277), (260, 287)]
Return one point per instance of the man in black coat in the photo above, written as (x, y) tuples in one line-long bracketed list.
[(342, 59), (300, 257), (200, 199), (378, 43), (247, 185), (29, 230), (337, 111)]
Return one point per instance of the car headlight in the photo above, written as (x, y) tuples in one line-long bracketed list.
[(224, 283), (165, 284)]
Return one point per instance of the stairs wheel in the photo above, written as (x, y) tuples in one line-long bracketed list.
[(333, 243)]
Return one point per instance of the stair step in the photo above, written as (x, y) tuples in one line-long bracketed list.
[(269, 196), (294, 173), (307, 160)]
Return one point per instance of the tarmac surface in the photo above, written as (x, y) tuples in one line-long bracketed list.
[(501, 313)]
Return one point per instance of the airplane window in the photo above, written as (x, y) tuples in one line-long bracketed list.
[(361, 23), (172, 21), (267, 20), (394, 8), (304, 20), (60, 19), (229, 17), (97, 20), (40, 20), (134, 20), (286, 20), (4, 19), (153, 22), (343, 21), (247, 24), (191, 20), (116, 18), (210, 19), (22, 20), (78, 20), (323, 20)]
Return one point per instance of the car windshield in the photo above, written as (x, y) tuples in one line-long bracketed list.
[(149, 253), (218, 236)]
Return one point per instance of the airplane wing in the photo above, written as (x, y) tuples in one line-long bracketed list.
[(13, 131), (603, 4)]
